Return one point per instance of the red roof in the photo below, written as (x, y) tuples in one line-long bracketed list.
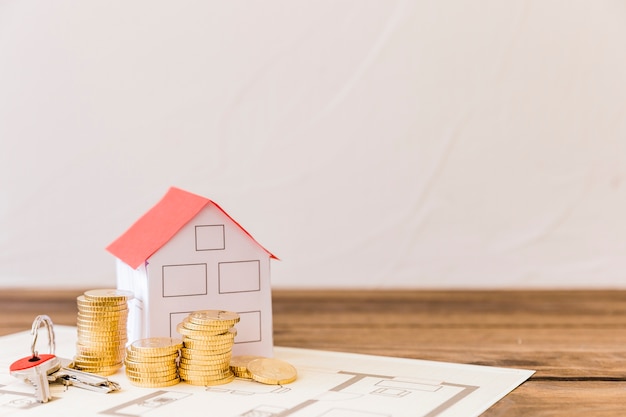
[(157, 226)]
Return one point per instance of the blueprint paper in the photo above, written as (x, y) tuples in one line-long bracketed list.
[(329, 384)]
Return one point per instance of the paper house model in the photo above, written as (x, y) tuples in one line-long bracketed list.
[(187, 254)]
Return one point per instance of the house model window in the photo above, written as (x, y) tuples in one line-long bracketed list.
[(187, 254), (210, 237)]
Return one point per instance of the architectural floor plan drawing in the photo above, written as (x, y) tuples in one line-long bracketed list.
[(329, 384)]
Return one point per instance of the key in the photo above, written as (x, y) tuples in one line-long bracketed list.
[(34, 369), (74, 377), (40, 370)]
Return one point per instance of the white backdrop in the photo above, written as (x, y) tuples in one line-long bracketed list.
[(423, 144)]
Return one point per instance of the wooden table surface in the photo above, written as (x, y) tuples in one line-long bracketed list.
[(575, 340)]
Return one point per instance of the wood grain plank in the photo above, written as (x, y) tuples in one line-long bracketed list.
[(575, 340), (551, 352), (18, 308), (563, 398)]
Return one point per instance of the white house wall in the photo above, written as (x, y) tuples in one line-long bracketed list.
[(134, 280), (197, 270)]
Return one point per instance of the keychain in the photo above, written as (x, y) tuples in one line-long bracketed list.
[(41, 369)]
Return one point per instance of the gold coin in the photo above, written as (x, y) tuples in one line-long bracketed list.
[(155, 384), (101, 313), (100, 349), (100, 341), (208, 344), (272, 371), (101, 320), (107, 345), (150, 372), (104, 302), (204, 372), (204, 350), (109, 294), (110, 316), (113, 326), (241, 361), (95, 338), (115, 344), (139, 382), (140, 364), (190, 363), (102, 358), (149, 360), (156, 346), (94, 360), (223, 357), (217, 339), (210, 381), (202, 360), (138, 357), (207, 348), (200, 351), (193, 365), (200, 369), (241, 374), (210, 324), (90, 331), (88, 326), (203, 369), (99, 328), (213, 316), (149, 378), (98, 365), (211, 328), (101, 305), (100, 370), (164, 376), (81, 300), (152, 379), (186, 331), (86, 346), (165, 373), (90, 350), (100, 310)]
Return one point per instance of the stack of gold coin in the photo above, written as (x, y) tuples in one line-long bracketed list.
[(239, 365), (208, 337), (265, 370), (153, 362), (101, 325)]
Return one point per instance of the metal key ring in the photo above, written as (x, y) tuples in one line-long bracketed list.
[(35, 332)]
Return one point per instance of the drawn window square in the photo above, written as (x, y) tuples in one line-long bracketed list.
[(242, 276), (184, 280), (210, 237), (249, 327)]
